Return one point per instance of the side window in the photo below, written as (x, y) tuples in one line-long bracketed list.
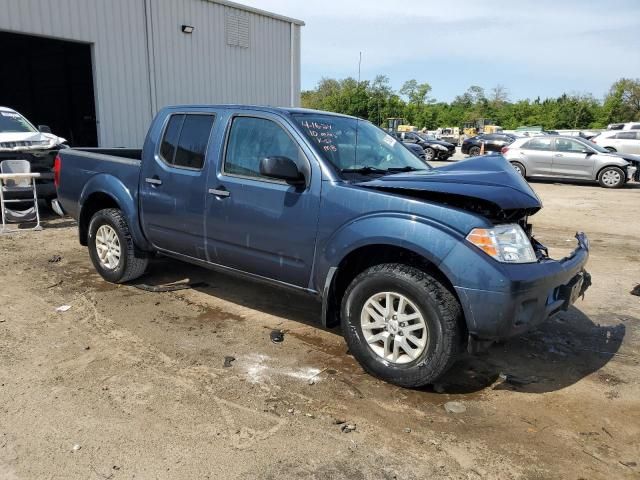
[(566, 145), (626, 135), (194, 138), (538, 143), (170, 138), (635, 127), (251, 139), (185, 140)]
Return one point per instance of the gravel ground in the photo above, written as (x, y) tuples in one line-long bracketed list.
[(133, 384)]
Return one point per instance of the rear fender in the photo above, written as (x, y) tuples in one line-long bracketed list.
[(125, 199)]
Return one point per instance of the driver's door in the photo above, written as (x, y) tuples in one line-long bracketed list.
[(257, 224), (570, 159)]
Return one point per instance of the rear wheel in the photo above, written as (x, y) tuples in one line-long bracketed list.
[(611, 177), (474, 151), (111, 248), (401, 324), (429, 153), (518, 167)]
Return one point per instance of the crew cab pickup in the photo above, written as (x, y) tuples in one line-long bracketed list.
[(417, 263)]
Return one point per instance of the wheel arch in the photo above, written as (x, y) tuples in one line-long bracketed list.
[(366, 256), (105, 191)]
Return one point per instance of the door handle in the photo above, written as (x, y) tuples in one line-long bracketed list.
[(558, 155), (219, 193), (153, 181)]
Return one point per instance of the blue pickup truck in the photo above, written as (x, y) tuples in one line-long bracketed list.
[(417, 263)]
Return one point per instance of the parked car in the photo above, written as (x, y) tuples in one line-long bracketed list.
[(19, 139), (416, 262), (570, 157), (623, 141), (624, 126), (493, 142), (434, 149)]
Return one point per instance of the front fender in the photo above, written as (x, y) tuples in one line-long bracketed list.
[(425, 237), (122, 195)]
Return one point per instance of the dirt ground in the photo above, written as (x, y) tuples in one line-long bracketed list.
[(132, 384)]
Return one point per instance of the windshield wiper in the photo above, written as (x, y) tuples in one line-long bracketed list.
[(366, 169), (404, 169)]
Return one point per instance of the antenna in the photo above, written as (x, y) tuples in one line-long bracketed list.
[(359, 64)]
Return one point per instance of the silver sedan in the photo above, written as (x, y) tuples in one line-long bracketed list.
[(554, 156)]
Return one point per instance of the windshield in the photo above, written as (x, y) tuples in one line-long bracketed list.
[(427, 136), (596, 147), (14, 122), (357, 146)]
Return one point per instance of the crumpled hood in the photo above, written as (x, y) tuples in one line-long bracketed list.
[(489, 178), (13, 141), (635, 159)]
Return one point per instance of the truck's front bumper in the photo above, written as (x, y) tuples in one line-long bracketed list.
[(532, 294)]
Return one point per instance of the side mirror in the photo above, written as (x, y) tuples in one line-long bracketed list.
[(44, 128), (587, 151), (282, 168)]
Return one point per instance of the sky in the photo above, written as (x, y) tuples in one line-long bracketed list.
[(534, 48)]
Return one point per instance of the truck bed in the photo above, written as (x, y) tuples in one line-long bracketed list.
[(82, 167)]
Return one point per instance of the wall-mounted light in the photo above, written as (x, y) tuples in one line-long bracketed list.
[(187, 28)]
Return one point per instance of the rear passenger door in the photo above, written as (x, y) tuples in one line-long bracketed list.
[(257, 224), (173, 185), (537, 156)]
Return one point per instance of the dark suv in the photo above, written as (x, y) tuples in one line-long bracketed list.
[(434, 149), (493, 142)]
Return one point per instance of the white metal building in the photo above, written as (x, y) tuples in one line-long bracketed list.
[(96, 71)]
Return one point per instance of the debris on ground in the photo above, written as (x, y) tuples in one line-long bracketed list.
[(339, 421), (63, 308), (227, 361), (348, 427), (277, 336), (455, 407), (636, 290), (55, 259), (76, 447), (438, 388), (407, 430), (169, 288), (518, 381), (291, 411)]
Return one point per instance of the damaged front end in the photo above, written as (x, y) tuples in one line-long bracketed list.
[(504, 278)]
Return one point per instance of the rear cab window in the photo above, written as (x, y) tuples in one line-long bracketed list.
[(185, 140)]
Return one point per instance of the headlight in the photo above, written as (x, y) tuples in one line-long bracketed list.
[(506, 243), (438, 147)]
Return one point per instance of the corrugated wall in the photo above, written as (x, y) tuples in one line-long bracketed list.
[(116, 29), (196, 68)]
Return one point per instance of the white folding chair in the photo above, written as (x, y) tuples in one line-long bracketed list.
[(18, 185)]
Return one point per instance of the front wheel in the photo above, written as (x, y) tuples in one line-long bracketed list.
[(610, 149), (429, 153), (611, 177), (111, 248), (474, 151), (401, 324)]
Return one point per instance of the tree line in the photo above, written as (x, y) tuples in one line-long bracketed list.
[(375, 100)]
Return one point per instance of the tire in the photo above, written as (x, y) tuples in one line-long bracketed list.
[(518, 167), (610, 149), (131, 262), (611, 177), (429, 154), (439, 309), (474, 151)]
